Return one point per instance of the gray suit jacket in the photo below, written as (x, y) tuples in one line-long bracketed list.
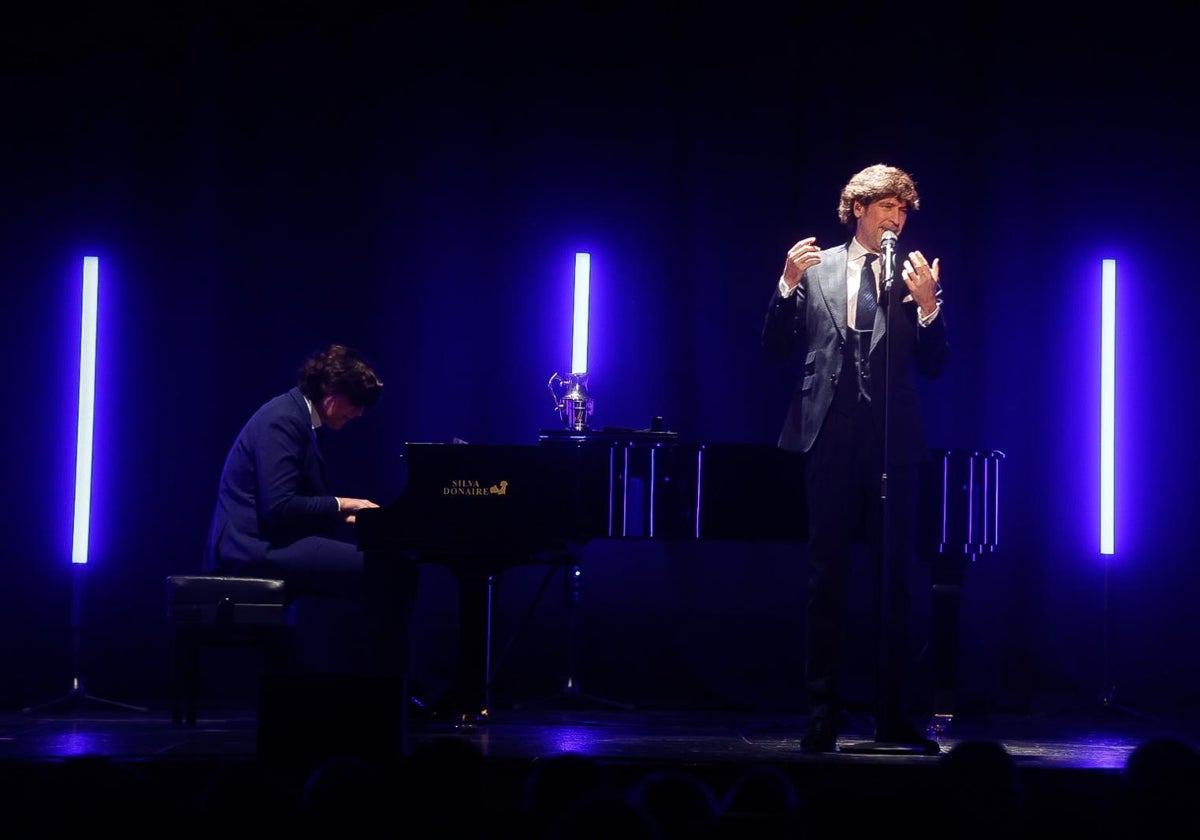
[(808, 329)]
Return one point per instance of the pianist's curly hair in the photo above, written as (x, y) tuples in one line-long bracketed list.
[(873, 183), (339, 369)]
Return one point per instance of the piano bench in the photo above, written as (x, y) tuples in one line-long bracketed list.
[(222, 611)]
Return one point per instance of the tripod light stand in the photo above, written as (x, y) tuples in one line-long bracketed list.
[(1108, 688), (570, 694), (76, 697), (1108, 402)]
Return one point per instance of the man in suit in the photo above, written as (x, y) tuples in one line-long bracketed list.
[(275, 515), (856, 379)]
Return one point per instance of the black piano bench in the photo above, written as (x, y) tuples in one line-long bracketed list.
[(218, 611)]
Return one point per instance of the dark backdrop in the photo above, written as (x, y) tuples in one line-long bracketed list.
[(259, 179)]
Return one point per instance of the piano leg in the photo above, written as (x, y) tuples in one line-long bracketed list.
[(473, 694)]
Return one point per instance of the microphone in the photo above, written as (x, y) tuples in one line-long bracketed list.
[(888, 245)]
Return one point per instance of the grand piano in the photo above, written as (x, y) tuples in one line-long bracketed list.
[(480, 509)]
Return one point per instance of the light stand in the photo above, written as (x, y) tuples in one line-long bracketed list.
[(1108, 689), (77, 699), (1108, 375), (574, 406), (570, 694)]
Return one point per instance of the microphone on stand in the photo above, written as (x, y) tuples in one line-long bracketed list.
[(888, 246)]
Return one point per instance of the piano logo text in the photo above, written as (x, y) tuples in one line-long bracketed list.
[(471, 487)]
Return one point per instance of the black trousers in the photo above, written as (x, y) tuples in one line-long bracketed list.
[(332, 568), (846, 506)]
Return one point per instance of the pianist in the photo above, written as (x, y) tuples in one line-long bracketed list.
[(276, 517)]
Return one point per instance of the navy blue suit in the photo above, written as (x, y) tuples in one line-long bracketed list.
[(841, 436), (275, 517), (274, 514)]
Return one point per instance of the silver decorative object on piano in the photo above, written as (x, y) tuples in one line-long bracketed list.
[(572, 400)]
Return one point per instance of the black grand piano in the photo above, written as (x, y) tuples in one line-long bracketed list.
[(480, 509)]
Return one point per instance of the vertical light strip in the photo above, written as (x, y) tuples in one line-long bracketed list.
[(87, 398), (579, 340), (1108, 371)]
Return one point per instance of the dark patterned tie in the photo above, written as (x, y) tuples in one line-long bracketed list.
[(865, 319)]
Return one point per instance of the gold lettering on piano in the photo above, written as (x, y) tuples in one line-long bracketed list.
[(471, 487)]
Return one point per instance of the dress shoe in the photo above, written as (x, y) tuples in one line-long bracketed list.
[(904, 733), (821, 736)]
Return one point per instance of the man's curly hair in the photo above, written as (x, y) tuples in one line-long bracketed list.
[(339, 369), (873, 183)]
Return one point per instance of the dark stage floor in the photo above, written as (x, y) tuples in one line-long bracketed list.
[(1069, 766), (1089, 740)]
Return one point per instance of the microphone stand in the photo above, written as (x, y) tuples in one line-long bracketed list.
[(884, 583)]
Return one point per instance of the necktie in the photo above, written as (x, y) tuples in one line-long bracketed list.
[(865, 319)]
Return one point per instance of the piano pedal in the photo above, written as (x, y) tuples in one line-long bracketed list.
[(938, 725), (468, 721)]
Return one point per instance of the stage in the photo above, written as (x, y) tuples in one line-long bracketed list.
[(1069, 766)]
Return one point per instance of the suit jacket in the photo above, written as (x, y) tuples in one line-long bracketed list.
[(808, 329), (273, 489)]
